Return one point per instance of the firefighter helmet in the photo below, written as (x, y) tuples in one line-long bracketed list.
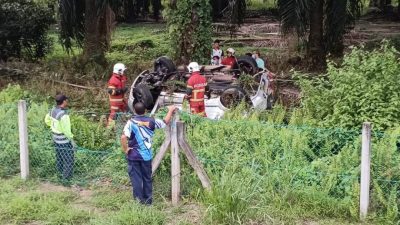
[(119, 68), (193, 67)]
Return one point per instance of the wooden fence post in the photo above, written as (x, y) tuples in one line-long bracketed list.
[(23, 139), (365, 169), (176, 138), (175, 163)]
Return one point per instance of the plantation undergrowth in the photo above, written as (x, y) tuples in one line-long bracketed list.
[(261, 168)]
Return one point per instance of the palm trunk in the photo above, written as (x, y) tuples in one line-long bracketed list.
[(316, 49), (398, 8), (156, 6), (98, 31)]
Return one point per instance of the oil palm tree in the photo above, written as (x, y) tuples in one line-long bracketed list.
[(88, 23), (322, 23)]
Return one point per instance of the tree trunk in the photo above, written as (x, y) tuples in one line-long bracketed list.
[(398, 9), (316, 49), (156, 6), (130, 11), (98, 32)]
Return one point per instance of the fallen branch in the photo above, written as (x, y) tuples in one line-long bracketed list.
[(73, 85)]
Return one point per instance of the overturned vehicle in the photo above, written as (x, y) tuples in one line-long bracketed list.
[(166, 85)]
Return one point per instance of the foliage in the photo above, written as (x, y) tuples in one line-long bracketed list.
[(189, 26), (234, 198), (328, 26), (264, 163), (363, 88), (72, 23), (138, 46), (23, 29), (235, 12), (92, 134)]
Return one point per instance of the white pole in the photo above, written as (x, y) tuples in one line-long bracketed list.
[(23, 139), (365, 169)]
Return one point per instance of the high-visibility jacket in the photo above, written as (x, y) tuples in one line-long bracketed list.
[(198, 85), (59, 122), (116, 84)]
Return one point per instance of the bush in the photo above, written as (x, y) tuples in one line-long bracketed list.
[(23, 29), (365, 87)]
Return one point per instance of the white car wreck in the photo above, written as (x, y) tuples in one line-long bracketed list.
[(166, 85)]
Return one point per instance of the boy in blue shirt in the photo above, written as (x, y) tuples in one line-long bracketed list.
[(136, 141)]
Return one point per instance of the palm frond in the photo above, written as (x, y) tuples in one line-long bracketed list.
[(72, 23), (340, 16), (295, 14)]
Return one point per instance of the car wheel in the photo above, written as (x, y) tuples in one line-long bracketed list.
[(164, 65), (142, 94), (232, 96), (247, 65)]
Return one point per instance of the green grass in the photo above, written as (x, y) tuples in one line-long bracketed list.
[(21, 202), (261, 4)]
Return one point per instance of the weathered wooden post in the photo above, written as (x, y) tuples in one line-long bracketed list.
[(176, 138), (23, 139), (175, 163), (365, 170)]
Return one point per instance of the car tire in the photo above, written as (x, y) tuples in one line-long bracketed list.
[(233, 96), (247, 64), (164, 64), (142, 93)]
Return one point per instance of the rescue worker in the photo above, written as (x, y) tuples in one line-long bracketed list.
[(116, 90), (58, 120), (136, 141), (196, 88), (230, 59)]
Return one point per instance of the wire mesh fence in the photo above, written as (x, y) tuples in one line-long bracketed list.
[(300, 157)]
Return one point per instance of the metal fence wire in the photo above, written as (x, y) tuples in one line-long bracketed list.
[(327, 159)]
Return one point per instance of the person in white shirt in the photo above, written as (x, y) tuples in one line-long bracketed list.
[(216, 51)]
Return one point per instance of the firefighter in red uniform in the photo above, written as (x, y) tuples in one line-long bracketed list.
[(116, 90), (230, 59), (196, 88)]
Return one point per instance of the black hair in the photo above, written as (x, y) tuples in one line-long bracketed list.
[(217, 41), (249, 54), (139, 108)]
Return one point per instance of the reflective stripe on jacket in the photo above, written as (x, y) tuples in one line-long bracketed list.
[(198, 85), (59, 122), (116, 82)]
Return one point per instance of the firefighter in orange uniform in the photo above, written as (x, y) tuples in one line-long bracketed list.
[(196, 88), (116, 90)]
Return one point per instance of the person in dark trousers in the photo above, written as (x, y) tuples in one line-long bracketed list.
[(136, 141), (59, 122)]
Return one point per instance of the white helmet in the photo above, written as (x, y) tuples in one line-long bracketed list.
[(119, 68), (193, 67), (231, 50)]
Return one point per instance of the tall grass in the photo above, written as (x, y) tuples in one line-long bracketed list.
[(265, 166)]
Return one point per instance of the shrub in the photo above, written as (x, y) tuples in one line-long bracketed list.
[(23, 29), (365, 87)]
